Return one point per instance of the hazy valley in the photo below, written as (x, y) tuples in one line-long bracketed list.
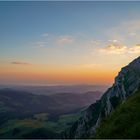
[(42, 116)]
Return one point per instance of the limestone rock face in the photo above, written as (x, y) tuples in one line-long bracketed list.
[(126, 83)]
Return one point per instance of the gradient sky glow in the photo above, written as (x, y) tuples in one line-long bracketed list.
[(67, 42)]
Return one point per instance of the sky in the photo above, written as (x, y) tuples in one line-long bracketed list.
[(67, 42)]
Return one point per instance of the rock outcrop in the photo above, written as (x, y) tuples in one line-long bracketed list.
[(126, 83)]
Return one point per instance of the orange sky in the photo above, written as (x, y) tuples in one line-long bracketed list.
[(103, 72), (40, 74)]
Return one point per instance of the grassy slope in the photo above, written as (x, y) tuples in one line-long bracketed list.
[(124, 122)]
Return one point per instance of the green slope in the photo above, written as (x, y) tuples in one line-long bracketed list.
[(124, 122)]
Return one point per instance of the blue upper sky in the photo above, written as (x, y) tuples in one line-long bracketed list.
[(25, 21)]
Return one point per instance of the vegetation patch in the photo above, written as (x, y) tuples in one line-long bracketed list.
[(124, 122)]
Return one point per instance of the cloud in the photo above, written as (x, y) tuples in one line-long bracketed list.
[(127, 32), (45, 35), (114, 49), (64, 40), (135, 49), (120, 49), (95, 42), (41, 44), (113, 41), (20, 63), (132, 34)]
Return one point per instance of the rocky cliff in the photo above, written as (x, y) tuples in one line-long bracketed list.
[(126, 83)]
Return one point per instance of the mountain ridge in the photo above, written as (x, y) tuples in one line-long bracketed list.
[(126, 83)]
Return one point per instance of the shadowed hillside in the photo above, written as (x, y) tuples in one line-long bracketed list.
[(124, 122)]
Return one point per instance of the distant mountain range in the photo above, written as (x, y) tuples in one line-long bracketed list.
[(114, 104), (20, 103), (47, 90)]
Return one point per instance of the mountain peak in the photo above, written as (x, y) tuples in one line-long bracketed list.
[(126, 83), (135, 63)]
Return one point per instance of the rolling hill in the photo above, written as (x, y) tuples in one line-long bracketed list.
[(27, 115)]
